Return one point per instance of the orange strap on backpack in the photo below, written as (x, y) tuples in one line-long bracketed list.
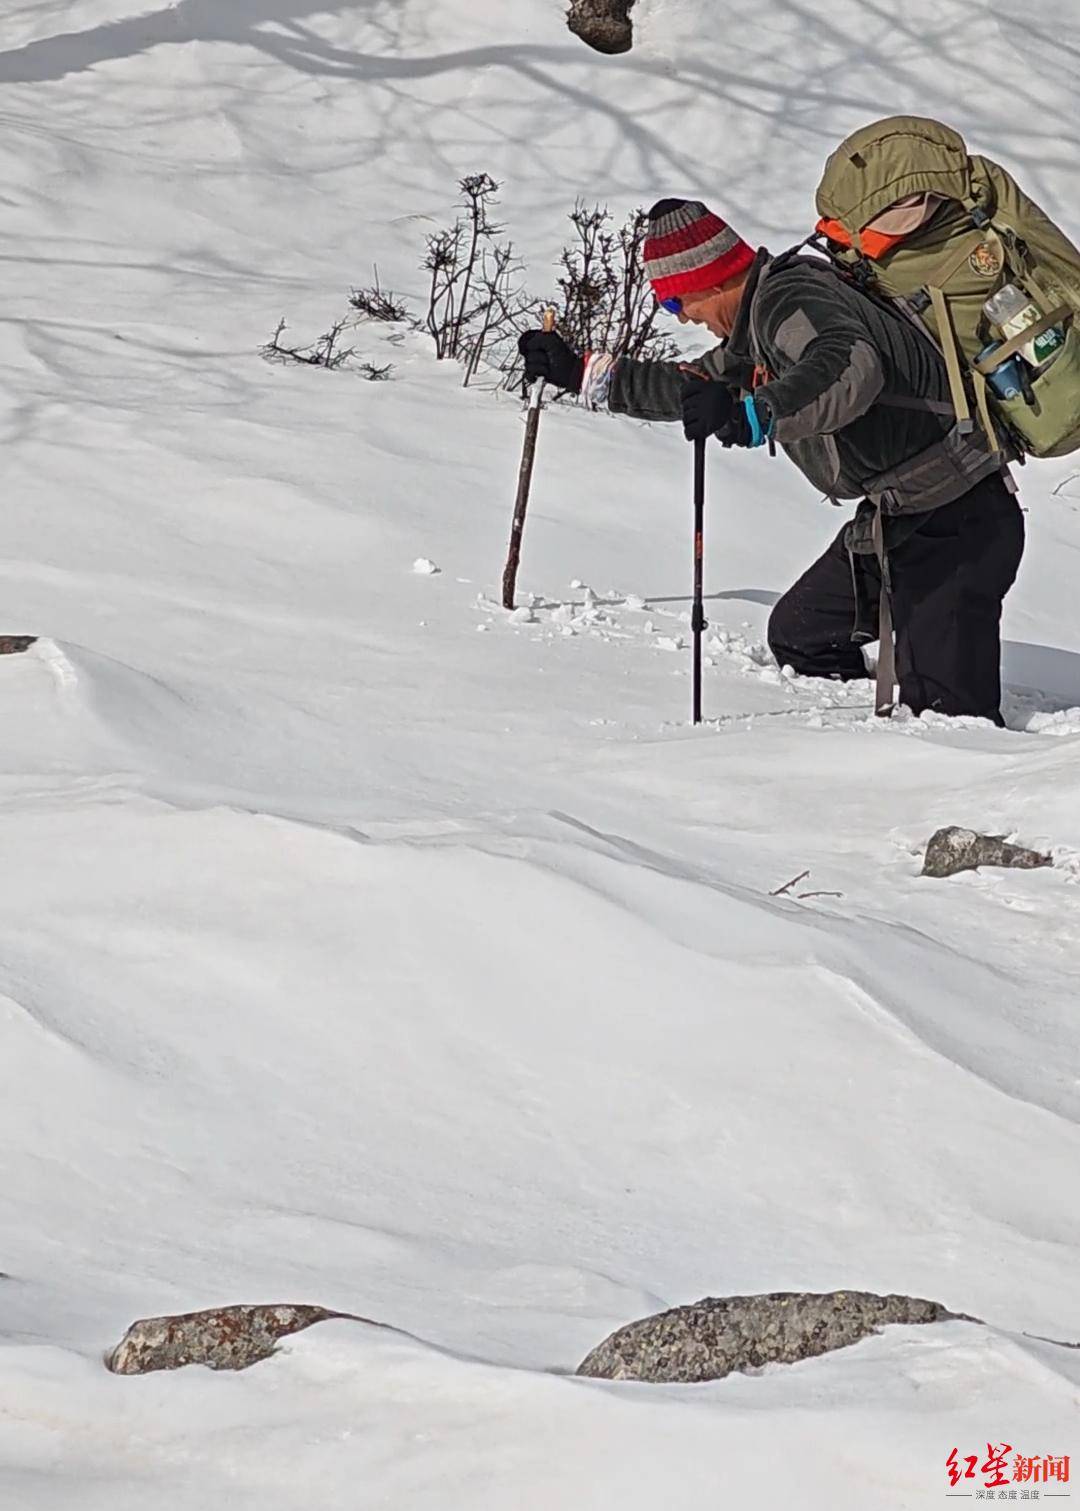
[(874, 244)]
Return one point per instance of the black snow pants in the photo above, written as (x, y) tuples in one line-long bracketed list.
[(948, 581)]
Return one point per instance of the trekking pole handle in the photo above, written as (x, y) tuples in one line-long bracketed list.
[(536, 392)]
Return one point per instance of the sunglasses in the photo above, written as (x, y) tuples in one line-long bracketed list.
[(673, 305)]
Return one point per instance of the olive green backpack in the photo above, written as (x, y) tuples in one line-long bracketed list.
[(989, 234)]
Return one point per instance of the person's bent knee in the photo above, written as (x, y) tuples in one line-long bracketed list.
[(779, 632)]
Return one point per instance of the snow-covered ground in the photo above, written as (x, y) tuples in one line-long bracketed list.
[(361, 946)]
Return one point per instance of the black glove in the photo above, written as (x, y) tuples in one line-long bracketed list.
[(548, 356), (750, 423), (710, 408), (706, 408)]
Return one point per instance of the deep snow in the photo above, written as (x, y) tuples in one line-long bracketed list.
[(362, 946)]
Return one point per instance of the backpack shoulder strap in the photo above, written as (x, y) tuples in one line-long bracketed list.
[(950, 350)]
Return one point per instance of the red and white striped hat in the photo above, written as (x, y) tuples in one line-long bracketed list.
[(689, 249)]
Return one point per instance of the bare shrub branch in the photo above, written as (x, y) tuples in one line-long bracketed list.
[(469, 272), (478, 306), (325, 352), (607, 301), (377, 303)]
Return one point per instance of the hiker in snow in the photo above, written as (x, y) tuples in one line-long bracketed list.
[(859, 398)]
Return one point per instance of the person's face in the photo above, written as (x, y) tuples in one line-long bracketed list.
[(702, 309), (713, 308)]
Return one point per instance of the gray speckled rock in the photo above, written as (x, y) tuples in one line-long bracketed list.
[(954, 849), (228, 1337), (716, 1336), (603, 24)]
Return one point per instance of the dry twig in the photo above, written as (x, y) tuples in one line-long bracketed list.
[(786, 889)]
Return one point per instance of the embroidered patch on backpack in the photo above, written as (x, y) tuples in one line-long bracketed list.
[(986, 260)]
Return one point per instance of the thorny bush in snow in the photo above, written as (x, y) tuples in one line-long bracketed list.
[(477, 310), (607, 302), (326, 352), (377, 303), (477, 305)]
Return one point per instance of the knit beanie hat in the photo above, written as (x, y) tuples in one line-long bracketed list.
[(688, 249)]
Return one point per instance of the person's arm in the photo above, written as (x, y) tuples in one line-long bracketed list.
[(836, 371), (643, 390), (654, 390)]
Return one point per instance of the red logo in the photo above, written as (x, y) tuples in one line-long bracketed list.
[(1003, 1469)]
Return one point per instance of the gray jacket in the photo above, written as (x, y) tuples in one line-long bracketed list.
[(859, 395)]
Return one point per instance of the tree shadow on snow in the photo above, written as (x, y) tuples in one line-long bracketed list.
[(236, 21), (791, 100)]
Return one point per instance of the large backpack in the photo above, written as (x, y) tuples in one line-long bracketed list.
[(989, 234)]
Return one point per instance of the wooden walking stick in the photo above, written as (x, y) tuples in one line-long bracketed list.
[(521, 503)]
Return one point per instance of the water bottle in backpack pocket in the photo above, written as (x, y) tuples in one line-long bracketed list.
[(1045, 416), (1013, 311), (1007, 378), (1041, 410)]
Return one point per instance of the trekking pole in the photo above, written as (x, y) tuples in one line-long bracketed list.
[(521, 503), (698, 622)]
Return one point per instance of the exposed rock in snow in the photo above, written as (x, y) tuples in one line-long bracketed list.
[(954, 849), (10, 645), (227, 1337), (719, 1335), (603, 24)]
